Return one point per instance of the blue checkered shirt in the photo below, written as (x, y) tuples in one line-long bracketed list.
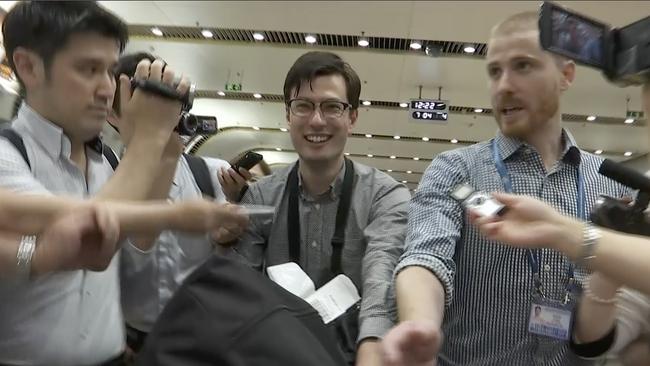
[(488, 286)]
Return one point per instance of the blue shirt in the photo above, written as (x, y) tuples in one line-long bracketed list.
[(489, 287)]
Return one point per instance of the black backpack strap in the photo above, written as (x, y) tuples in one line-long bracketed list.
[(201, 174), (293, 216), (110, 156), (17, 141), (342, 218), (342, 211)]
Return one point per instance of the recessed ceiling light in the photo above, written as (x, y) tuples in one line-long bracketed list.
[(370, 155), (598, 152), (278, 149), (404, 182), (629, 120), (366, 102), (256, 128), (393, 157), (425, 139), (258, 36), (453, 141), (390, 170), (628, 153), (368, 135), (347, 154), (478, 110), (207, 33), (257, 95), (403, 105), (415, 45), (396, 137), (310, 39), (363, 42), (591, 118), (416, 158), (284, 130), (408, 172), (221, 94), (156, 31), (469, 49)]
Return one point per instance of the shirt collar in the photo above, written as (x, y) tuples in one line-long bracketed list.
[(335, 187), (508, 146), (49, 135)]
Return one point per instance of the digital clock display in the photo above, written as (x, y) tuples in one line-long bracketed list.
[(430, 116), (428, 105), (428, 110)]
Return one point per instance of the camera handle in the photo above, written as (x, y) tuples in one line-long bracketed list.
[(641, 203), (160, 89)]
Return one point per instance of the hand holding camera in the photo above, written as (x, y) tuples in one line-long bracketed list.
[(154, 106)]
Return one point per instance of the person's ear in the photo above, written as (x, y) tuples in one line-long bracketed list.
[(29, 66), (354, 114), (568, 70)]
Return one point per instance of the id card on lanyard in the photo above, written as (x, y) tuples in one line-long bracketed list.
[(548, 317)]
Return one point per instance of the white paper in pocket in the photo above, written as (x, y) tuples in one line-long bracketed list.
[(292, 278)]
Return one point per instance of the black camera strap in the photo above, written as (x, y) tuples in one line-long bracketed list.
[(342, 211)]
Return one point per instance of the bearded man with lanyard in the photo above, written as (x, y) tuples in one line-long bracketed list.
[(453, 281)]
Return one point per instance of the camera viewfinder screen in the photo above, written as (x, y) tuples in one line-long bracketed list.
[(578, 38)]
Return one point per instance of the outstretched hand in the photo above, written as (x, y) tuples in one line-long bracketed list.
[(526, 223), (412, 343), (86, 238)]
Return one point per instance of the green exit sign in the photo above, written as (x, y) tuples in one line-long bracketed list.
[(233, 87), (635, 114)]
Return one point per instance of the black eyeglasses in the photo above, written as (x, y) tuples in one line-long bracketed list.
[(329, 109)]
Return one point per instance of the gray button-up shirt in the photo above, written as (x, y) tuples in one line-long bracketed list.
[(64, 318), (489, 287), (374, 237), (149, 279)]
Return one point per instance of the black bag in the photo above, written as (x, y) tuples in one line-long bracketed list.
[(228, 314)]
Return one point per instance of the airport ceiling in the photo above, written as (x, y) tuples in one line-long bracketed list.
[(390, 70)]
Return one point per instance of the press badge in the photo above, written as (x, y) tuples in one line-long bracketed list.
[(551, 319)]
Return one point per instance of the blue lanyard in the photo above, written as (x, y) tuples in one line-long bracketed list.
[(534, 257)]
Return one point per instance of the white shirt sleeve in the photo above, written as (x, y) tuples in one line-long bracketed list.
[(214, 165), (15, 174), (632, 314)]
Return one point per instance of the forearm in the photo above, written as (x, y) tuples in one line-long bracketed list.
[(41, 262), (369, 352), (29, 214), (420, 295), (587, 329), (139, 168), (8, 251), (622, 257), (148, 218), (159, 192)]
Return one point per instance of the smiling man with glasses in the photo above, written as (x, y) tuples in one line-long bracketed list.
[(324, 194)]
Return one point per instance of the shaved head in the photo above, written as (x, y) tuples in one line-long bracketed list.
[(517, 23), (522, 24)]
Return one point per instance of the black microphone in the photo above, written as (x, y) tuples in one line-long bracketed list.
[(624, 175)]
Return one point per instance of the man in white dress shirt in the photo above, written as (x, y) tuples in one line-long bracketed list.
[(63, 54)]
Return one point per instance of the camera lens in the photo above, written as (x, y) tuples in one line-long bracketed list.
[(188, 124)]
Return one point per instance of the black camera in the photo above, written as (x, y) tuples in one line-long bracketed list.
[(188, 124), (622, 54), (620, 216)]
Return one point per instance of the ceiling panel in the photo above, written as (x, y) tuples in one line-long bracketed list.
[(387, 76)]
